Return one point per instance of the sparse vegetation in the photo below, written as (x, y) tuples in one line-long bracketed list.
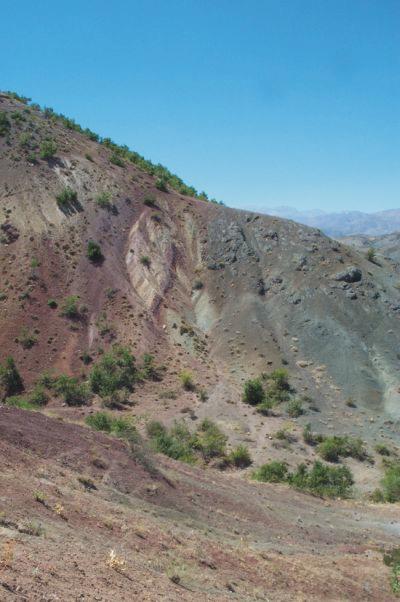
[(272, 472), (115, 370), (66, 198), (116, 159), (187, 381), (70, 308), (104, 201), (371, 255), (161, 184), (48, 149), (73, 392), (52, 303), (145, 260), (93, 252), (240, 457), (335, 447), (295, 408), (254, 393), (27, 339), (206, 442), (149, 200), (4, 124), (382, 449), (10, 379)]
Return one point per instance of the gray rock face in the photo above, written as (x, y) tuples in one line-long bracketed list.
[(351, 274)]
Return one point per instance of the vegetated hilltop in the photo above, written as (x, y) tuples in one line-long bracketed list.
[(255, 340)]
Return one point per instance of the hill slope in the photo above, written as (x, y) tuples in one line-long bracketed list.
[(225, 294)]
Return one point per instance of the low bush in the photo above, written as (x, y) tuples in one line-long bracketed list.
[(93, 252), (209, 440), (272, 472), (70, 308), (253, 393), (116, 159), (119, 427), (19, 401), (103, 200), (145, 260), (48, 149), (4, 124), (240, 457), (391, 483), (38, 396), (323, 480), (115, 370), (73, 392), (161, 184), (67, 198), (10, 379), (206, 442), (295, 408), (382, 449), (187, 381), (27, 339), (335, 447)]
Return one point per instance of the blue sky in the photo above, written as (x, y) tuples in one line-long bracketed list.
[(260, 103)]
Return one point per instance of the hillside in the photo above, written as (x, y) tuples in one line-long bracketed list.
[(225, 295)]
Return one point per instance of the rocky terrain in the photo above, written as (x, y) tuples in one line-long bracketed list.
[(220, 294)]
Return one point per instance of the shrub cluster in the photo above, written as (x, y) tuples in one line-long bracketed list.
[(207, 442), (321, 479), (270, 390)]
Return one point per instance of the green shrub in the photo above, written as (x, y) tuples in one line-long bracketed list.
[(391, 483), (67, 198), (115, 370), (4, 124), (265, 407), (70, 308), (295, 408), (94, 251), (209, 440), (311, 438), (240, 457), (149, 200), (148, 370), (174, 443), (335, 447), (27, 338), (119, 427), (18, 401), (253, 393), (382, 449), (186, 379), (323, 480), (38, 396), (116, 159), (145, 260), (280, 377), (10, 379), (71, 390), (52, 303), (161, 184), (103, 200), (48, 149), (371, 255), (273, 472)]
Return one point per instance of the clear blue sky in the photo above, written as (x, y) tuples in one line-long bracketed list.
[(260, 103)]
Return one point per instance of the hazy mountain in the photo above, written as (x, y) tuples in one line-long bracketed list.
[(344, 223)]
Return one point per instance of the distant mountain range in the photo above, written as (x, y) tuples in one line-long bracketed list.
[(344, 223)]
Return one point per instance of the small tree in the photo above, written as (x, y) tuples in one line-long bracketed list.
[(371, 255)]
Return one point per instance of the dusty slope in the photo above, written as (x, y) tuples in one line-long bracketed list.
[(228, 295), (235, 541)]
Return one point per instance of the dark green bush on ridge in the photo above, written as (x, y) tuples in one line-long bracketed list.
[(254, 393)]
